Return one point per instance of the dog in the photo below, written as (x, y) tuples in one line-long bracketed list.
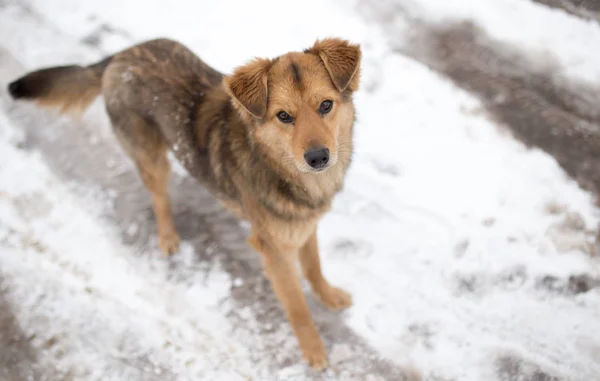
[(272, 141)]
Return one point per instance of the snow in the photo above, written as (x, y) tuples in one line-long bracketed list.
[(445, 232), (550, 36), (95, 292)]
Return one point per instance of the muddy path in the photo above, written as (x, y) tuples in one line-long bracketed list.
[(586, 9)]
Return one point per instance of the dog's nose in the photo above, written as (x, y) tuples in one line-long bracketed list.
[(317, 157)]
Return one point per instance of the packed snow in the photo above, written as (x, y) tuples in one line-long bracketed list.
[(459, 245)]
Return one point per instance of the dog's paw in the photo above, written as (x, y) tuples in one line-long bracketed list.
[(335, 298), (169, 243), (317, 361), (315, 355), (311, 345)]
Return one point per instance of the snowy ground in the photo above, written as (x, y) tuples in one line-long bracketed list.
[(468, 248)]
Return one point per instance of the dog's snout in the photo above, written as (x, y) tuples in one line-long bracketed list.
[(317, 158)]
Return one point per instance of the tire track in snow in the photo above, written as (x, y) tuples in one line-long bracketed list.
[(540, 108), (521, 91), (536, 103), (18, 360), (585, 9)]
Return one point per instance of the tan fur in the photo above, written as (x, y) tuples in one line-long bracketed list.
[(226, 133), (68, 102), (69, 89), (342, 63), (248, 86)]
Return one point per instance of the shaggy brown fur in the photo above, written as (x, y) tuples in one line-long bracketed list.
[(272, 141)]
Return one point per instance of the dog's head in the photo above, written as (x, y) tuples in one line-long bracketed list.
[(300, 104)]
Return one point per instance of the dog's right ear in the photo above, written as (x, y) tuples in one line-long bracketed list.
[(248, 86)]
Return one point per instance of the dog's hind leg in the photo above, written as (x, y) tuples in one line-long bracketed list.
[(144, 143)]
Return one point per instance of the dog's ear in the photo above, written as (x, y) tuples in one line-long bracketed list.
[(342, 61), (248, 86)]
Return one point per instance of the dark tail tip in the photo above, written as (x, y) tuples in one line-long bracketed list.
[(16, 89)]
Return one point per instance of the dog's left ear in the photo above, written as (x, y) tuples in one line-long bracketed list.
[(248, 86), (342, 61)]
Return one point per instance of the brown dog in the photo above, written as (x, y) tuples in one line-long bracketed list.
[(272, 141)]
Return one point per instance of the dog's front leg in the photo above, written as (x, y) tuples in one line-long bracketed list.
[(332, 297), (280, 266)]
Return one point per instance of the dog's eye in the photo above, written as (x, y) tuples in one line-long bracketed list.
[(325, 106), (284, 117)]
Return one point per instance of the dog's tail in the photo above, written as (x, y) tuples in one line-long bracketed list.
[(69, 88)]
